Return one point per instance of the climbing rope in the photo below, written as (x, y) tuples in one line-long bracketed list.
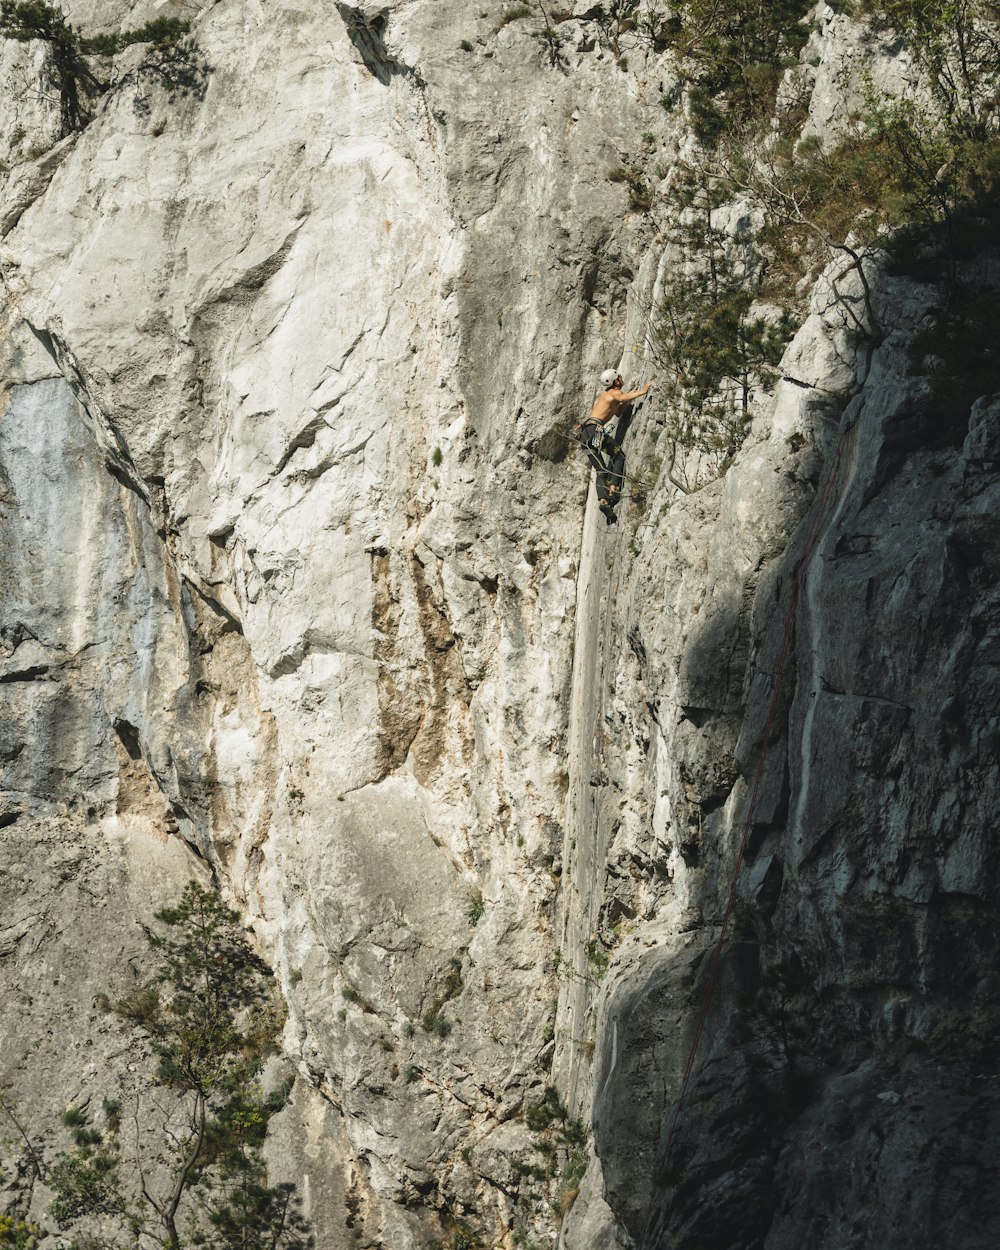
[(627, 477), (818, 517)]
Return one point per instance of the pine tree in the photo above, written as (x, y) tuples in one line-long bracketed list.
[(70, 67), (210, 1017)]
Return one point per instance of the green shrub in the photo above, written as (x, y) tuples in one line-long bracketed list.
[(542, 1114), (70, 69), (18, 1234), (210, 1020), (463, 1238), (434, 1022), (571, 1179), (640, 192), (627, 23), (734, 54), (451, 984), (524, 1241), (511, 15), (551, 41), (714, 345), (596, 957)]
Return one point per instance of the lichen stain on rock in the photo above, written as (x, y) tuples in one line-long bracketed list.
[(446, 714), (423, 690), (400, 716)]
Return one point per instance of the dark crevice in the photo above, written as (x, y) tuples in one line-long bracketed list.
[(128, 735), (249, 284), (690, 852), (33, 673), (14, 635), (117, 456), (367, 33), (221, 538), (302, 441), (232, 623), (126, 479), (698, 716)]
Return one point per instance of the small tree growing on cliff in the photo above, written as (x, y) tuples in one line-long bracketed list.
[(70, 70), (714, 346), (196, 1179)]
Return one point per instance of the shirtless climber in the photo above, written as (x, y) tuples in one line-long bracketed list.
[(612, 399), (604, 452)]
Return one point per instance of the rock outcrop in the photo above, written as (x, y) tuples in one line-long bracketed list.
[(306, 593)]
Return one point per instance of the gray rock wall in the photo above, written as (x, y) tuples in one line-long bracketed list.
[(304, 592), (851, 1026)]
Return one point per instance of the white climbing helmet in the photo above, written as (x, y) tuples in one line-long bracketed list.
[(609, 377)]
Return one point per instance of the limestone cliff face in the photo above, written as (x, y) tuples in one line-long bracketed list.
[(304, 591)]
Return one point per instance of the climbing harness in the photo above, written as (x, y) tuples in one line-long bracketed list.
[(593, 436), (820, 508), (602, 449), (628, 477)]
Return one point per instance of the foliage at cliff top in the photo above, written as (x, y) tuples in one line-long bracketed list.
[(70, 71), (734, 55), (916, 177)]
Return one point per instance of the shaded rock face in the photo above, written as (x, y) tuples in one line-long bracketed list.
[(852, 1022), (305, 592)]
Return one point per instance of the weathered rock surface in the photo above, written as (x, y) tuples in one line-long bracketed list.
[(854, 1021), (302, 591)]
